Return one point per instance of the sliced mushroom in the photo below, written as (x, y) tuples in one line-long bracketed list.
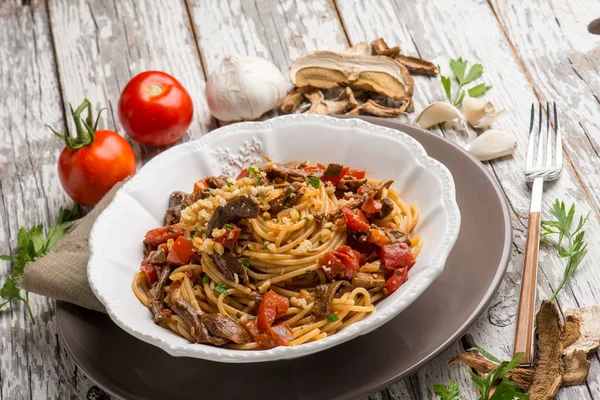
[(319, 105), (324, 295), (387, 206), (577, 368), (230, 265), (382, 185), (548, 370), (523, 377), (158, 295), (329, 70), (380, 48), (235, 209), (293, 99), (416, 65), (192, 319), (290, 196), (225, 327), (372, 107), (281, 173), (360, 48)]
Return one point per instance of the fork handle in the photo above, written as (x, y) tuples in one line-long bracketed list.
[(526, 315)]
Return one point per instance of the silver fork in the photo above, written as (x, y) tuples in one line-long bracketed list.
[(539, 168)]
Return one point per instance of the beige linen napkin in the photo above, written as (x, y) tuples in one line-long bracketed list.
[(62, 273)]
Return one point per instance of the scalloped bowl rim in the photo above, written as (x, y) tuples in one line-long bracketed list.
[(362, 327)]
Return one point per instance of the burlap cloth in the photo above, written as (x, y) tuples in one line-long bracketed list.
[(62, 273)]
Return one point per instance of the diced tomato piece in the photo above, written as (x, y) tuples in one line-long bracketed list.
[(398, 277), (242, 174), (371, 205), (357, 173), (266, 340), (150, 271), (281, 334), (229, 238), (355, 220), (397, 255), (351, 259), (378, 237), (251, 328), (272, 306), (331, 265), (158, 236), (174, 286), (199, 186), (181, 252)]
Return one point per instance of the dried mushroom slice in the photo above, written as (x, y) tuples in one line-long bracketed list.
[(523, 377), (372, 107), (588, 321), (576, 368), (293, 99), (549, 369), (360, 48), (380, 48), (319, 105), (417, 65), (328, 70)]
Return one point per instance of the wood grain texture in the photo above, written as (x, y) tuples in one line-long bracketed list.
[(472, 31)]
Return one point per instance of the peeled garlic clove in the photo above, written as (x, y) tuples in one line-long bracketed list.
[(492, 144), (436, 113), (479, 113), (244, 88)]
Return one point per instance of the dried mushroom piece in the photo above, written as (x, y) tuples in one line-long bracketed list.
[(417, 65), (380, 48), (588, 321), (293, 99), (523, 377), (360, 48), (576, 368), (548, 369), (328, 70), (319, 105), (372, 107)]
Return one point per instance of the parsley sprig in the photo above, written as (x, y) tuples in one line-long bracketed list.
[(576, 247), (507, 389), (459, 68), (33, 244)]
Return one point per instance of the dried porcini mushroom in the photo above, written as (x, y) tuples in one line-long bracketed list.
[(548, 369), (588, 321), (372, 107), (380, 48), (417, 65), (319, 105), (523, 377), (329, 70), (293, 99), (576, 368), (360, 48)]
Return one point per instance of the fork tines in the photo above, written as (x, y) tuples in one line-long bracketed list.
[(544, 151)]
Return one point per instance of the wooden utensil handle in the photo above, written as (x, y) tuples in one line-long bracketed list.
[(525, 317)]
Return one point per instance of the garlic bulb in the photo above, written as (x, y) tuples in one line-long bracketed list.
[(479, 113), (436, 113), (492, 144), (244, 88)]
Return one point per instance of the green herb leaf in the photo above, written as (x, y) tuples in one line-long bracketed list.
[(6, 257), (458, 67), (460, 99), (447, 84), (314, 182), (205, 279), (229, 184), (221, 288), (474, 73), (253, 170), (452, 392), (305, 218), (246, 262), (228, 226), (332, 317), (484, 353), (576, 247), (308, 271), (479, 90), (251, 317)]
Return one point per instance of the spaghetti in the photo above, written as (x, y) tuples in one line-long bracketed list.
[(282, 255)]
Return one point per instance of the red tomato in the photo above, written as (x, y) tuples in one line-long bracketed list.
[(396, 280), (397, 255), (94, 161), (158, 236), (281, 334), (371, 205), (181, 252), (272, 306), (150, 271), (242, 174), (251, 328), (199, 186), (155, 109), (355, 221), (357, 173), (378, 237), (351, 259), (331, 265), (229, 238)]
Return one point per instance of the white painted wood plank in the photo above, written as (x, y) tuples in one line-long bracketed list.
[(472, 32), (31, 193)]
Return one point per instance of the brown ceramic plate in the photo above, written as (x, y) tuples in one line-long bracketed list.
[(129, 368)]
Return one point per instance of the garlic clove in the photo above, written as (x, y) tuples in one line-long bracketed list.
[(479, 113), (436, 113), (244, 88), (492, 144)]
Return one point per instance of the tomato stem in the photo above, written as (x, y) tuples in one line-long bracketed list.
[(84, 136)]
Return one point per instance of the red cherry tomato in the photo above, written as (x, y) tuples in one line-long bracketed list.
[(272, 306), (396, 280), (150, 271), (181, 253), (94, 161), (355, 220), (155, 109), (158, 236), (397, 255)]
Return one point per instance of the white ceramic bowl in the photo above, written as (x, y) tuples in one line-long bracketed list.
[(116, 237)]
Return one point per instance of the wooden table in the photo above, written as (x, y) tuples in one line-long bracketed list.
[(59, 51)]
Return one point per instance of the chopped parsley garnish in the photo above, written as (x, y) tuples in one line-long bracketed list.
[(228, 226), (314, 182), (221, 288), (256, 174), (300, 219), (266, 218), (211, 190), (205, 279), (246, 262), (251, 317), (229, 184), (324, 217), (332, 317), (253, 170), (308, 271)]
